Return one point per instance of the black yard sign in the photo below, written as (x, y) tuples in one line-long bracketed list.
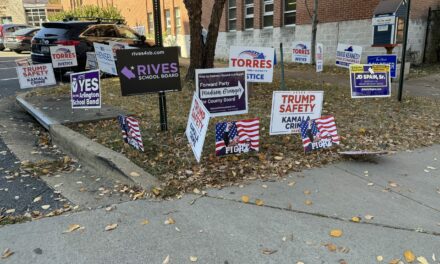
[(149, 70)]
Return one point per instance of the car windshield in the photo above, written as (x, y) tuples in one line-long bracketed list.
[(24, 31), (127, 33)]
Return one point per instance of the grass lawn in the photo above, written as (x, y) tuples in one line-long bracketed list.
[(364, 124)]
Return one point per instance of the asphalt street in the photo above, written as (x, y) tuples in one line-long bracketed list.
[(17, 191)]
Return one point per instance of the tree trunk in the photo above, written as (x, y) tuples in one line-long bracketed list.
[(202, 56), (194, 8), (314, 30), (211, 42)]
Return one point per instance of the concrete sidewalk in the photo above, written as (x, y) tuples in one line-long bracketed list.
[(399, 193)]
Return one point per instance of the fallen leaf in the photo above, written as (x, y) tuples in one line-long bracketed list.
[(356, 219), (393, 184), (193, 258), (379, 258), (111, 227), (308, 202), (342, 261), (422, 260), (109, 208), (245, 198), (156, 191), (138, 195), (145, 222), (336, 233), (7, 253), (394, 261), (300, 262), (331, 247), (278, 158), (166, 260), (259, 202), (433, 257), (409, 256), (134, 174), (37, 199), (291, 183), (307, 192), (72, 228), (10, 211), (264, 186), (369, 217), (370, 184), (45, 207), (169, 221), (267, 251), (196, 191)]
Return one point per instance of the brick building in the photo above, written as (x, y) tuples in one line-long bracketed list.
[(31, 12), (269, 22)]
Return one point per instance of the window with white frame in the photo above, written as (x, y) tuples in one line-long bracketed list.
[(289, 12), (150, 23), (268, 13), (177, 20), (35, 16), (168, 20), (232, 15), (249, 14)]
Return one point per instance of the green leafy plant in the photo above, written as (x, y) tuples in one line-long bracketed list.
[(109, 12)]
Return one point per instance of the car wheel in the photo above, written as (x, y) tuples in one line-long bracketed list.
[(18, 51)]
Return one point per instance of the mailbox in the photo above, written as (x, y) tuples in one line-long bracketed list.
[(388, 23)]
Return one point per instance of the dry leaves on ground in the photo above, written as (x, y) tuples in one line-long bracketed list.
[(72, 228), (111, 227), (336, 233), (7, 253)]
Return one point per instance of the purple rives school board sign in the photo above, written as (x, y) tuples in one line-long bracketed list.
[(223, 91), (149, 70), (370, 80), (85, 89)]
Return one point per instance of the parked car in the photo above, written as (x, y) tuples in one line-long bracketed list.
[(6, 30), (21, 40), (81, 34)]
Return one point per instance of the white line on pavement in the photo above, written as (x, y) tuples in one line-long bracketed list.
[(8, 79), (7, 68)]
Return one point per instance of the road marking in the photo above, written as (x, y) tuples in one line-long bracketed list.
[(8, 79), (7, 68)]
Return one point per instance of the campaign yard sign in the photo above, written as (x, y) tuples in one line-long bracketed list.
[(35, 75), (150, 70), (319, 57), (85, 89), (348, 54), (258, 62), (91, 62), (302, 52), (290, 108), (63, 56), (237, 137), (105, 58), (387, 59), (131, 131), (319, 133), (223, 91), (197, 126), (370, 80)]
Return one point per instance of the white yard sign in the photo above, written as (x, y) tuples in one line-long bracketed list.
[(258, 62), (302, 52), (35, 75), (290, 108), (63, 56), (197, 126), (348, 54), (319, 57), (105, 58)]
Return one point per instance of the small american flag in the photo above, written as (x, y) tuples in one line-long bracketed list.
[(131, 133), (230, 134), (317, 129)]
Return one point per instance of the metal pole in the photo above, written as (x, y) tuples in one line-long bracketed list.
[(159, 43), (428, 26), (283, 83), (405, 42)]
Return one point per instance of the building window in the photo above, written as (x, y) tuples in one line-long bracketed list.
[(289, 12), (268, 13), (232, 15), (35, 16), (177, 20), (168, 21), (5, 20), (249, 14), (150, 23)]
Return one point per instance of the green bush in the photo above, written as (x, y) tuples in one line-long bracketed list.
[(110, 12)]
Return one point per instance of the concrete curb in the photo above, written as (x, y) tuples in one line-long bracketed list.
[(103, 160), (44, 120)]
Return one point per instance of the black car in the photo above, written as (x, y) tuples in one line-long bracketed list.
[(21, 40), (6, 30), (80, 34)]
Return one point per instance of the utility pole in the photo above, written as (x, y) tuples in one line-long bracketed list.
[(159, 43), (405, 42)]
